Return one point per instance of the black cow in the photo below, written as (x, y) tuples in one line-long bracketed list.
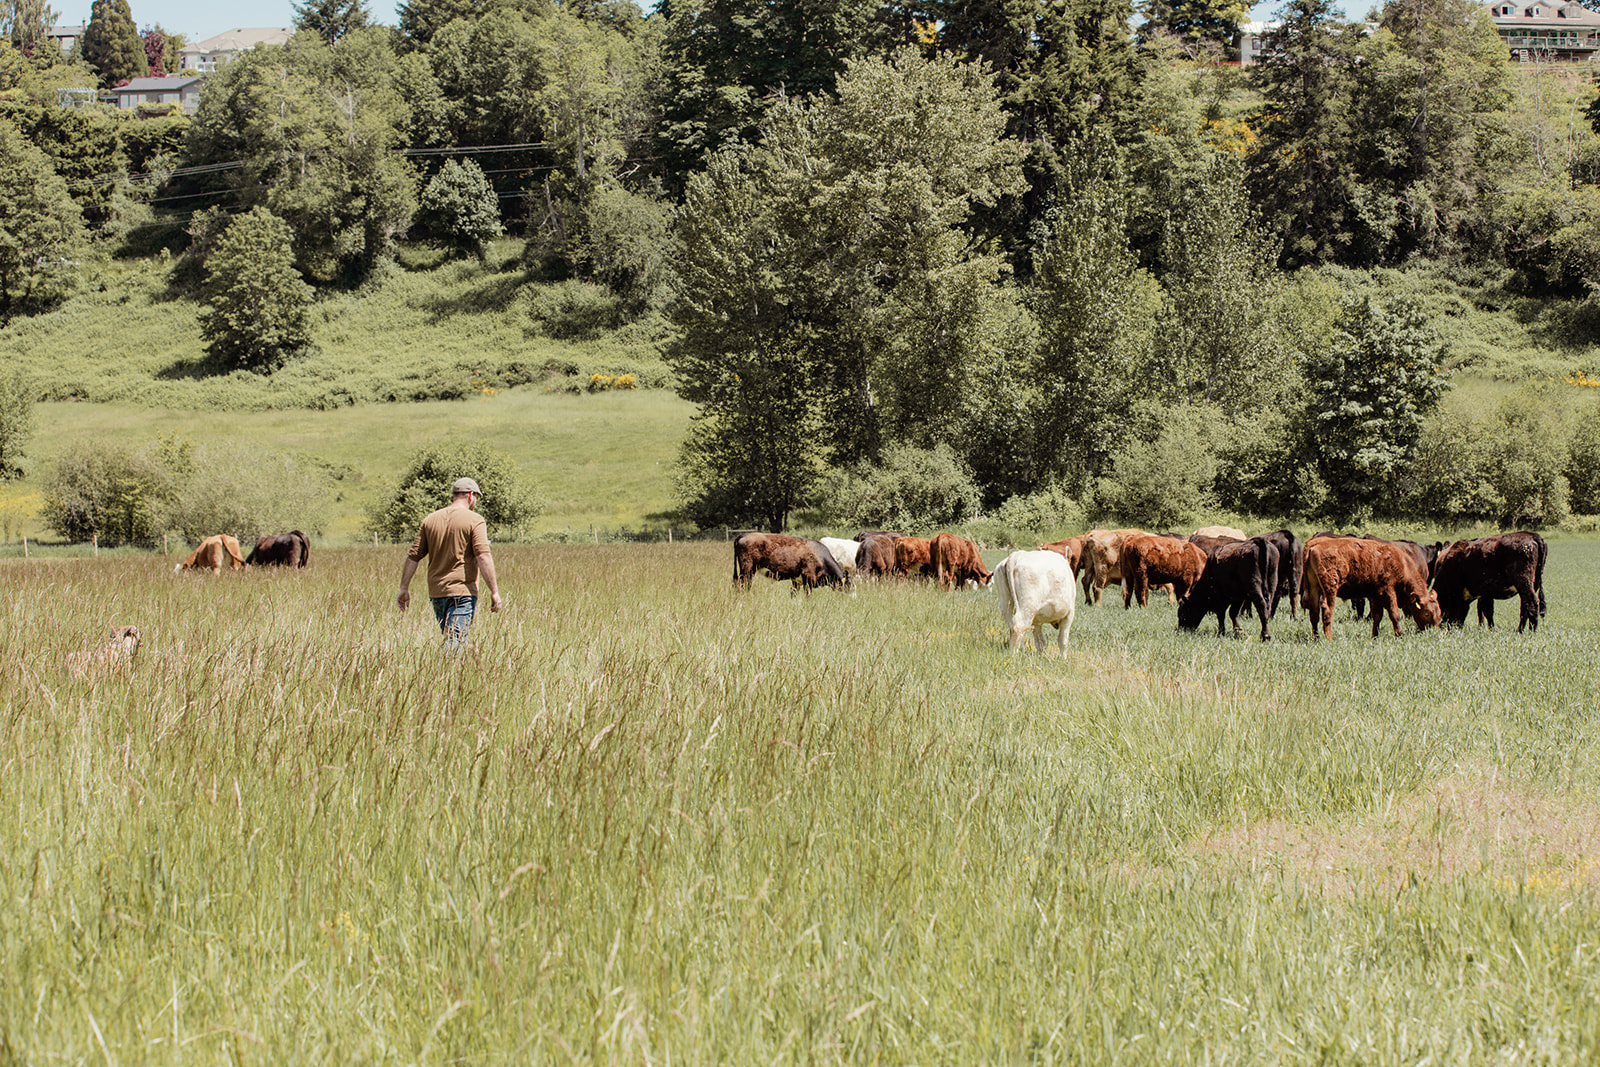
[(280, 550), (1291, 563), (1236, 574), (1490, 569)]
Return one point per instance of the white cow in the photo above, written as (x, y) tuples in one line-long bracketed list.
[(844, 554), (1036, 587)]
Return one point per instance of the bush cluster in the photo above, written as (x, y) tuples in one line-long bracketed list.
[(507, 504)]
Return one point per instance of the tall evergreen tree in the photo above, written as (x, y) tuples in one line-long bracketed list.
[(1205, 28), (331, 19), (111, 43), (1303, 173)]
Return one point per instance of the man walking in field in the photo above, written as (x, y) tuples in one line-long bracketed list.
[(455, 540)]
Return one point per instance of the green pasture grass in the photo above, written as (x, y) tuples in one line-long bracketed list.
[(602, 459), (648, 818)]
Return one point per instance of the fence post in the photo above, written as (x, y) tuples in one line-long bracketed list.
[(163, 544), (96, 539), (24, 546), (374, 538)]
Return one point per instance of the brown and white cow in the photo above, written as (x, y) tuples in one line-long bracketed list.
[(1491, 568), (1378, 570), (212, 553), (913, 557), (956, 561), (807, 563), (1101, 562), (1151, 558)]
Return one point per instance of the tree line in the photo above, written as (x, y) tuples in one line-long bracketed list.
[(1040, 242)]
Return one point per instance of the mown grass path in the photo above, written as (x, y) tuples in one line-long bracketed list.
[(648, 819)]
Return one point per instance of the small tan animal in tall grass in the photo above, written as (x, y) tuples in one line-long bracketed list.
[(114, 655)]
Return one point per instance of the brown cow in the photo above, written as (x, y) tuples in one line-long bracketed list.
[(1101, 562), (1150, 558), (292, 549), (1345, 566), (956, 561), (212, 552), (1072, 548), (913, 557), (875, 557), (807, 563), (1508, 564)]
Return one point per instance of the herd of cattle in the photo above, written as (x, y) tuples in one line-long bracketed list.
[(1215, 570)]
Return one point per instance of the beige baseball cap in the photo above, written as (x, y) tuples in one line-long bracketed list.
[(465, 485)]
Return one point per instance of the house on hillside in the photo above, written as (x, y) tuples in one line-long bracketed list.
[(213, 52), (158, 94), (66, 37), (1541, 31), (1252, 37)]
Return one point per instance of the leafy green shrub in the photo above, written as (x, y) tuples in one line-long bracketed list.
[(257, 305), (16, 423), (574, 310), (235, 490), (1261, 467), (459, 205), (1164, 482), (909, 489), (1583, 462), (507, 503), (106, 492), (1030, 519)]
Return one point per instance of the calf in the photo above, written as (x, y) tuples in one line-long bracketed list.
[(1491, 568), (1237, 574), (1036, 589), (956, 561), (1148, 558), (1340, 566), (807, 563)]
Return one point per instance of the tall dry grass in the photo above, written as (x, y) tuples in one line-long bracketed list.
[(646, 819)]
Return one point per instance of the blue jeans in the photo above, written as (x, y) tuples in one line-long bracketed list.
[(455, 615)]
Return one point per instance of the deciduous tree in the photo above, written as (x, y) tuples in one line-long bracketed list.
[(257, 312), (41, 228), (460, 205)]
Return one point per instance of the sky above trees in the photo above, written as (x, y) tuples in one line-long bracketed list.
[(199, 19)]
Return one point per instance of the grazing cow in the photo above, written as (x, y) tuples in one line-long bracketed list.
[(1071, 548), (113, 655), (1291, 562), (1220, 531), (1036, 589), (211, 554), (913, 557), (280, 550), (1101, 562), (807, 563), (875, 558), (1490, 569), (1148, 558), (846, 554), (956, 561), (865, 534), (1342, 566), (1209, 544), (1238, 574)]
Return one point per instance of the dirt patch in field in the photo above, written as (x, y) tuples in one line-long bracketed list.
[(1471, 824)]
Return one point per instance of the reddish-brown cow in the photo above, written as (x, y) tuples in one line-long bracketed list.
[(1148, 558), (1072, 548), (913, 557), (1378, 570), (956, 561)]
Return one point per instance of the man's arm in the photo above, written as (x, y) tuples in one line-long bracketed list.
[(405, 583), (486, 572)]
